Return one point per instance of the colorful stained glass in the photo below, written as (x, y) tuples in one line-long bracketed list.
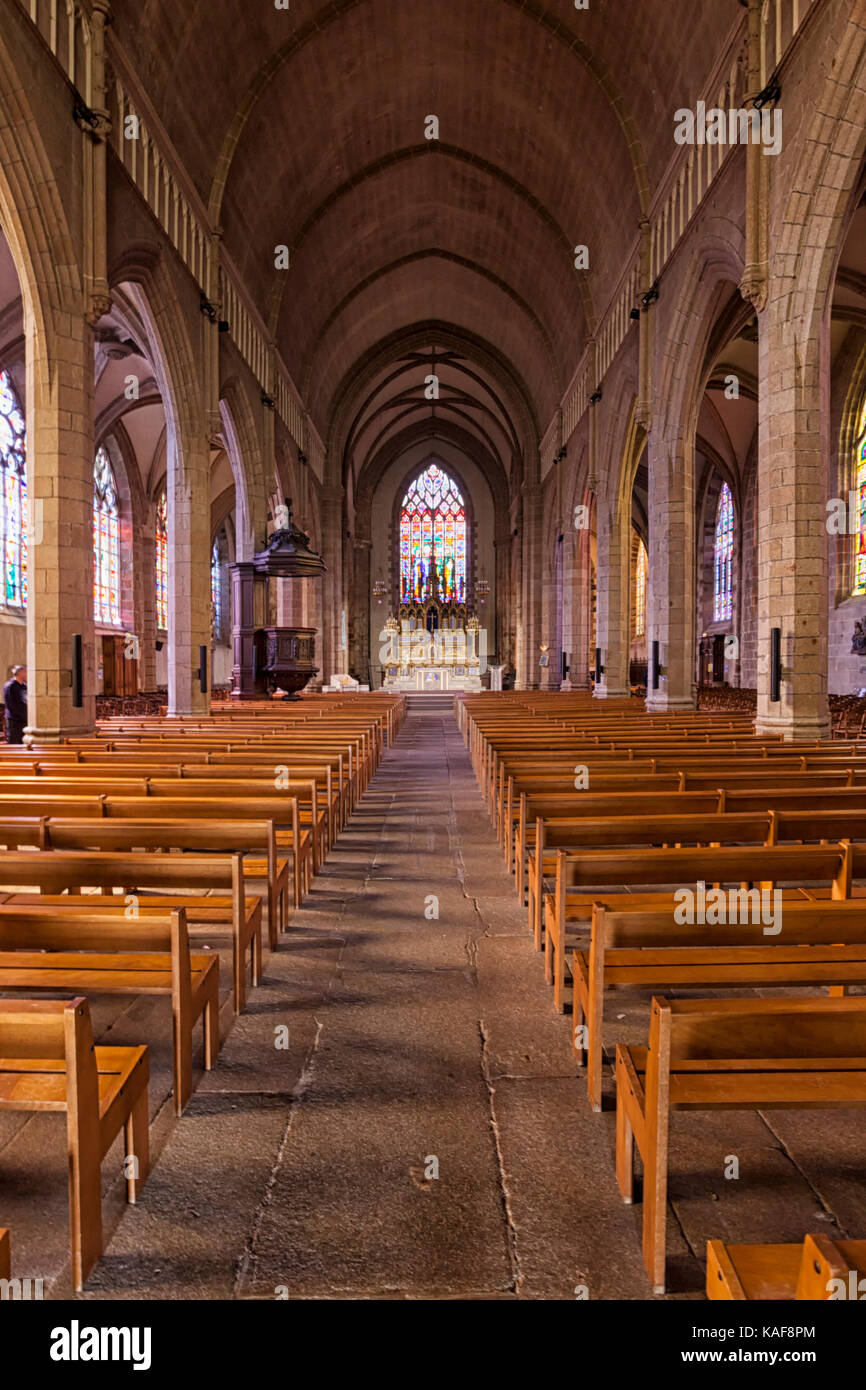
[(723, 555), (106, 543), (641, 570), (433, 539), (162, 563), (860, 556), (13, 513), (216, 596)]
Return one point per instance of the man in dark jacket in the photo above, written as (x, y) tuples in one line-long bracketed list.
[(15, 704)]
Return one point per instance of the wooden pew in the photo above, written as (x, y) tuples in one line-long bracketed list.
[(820, 944), (819, 1270), (731, 1054), (48, 1063), (47, 949), (62, 871)]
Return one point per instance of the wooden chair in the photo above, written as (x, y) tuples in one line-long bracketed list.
[(62, 871), (48, 1063), (821, 944), (738, 1273), (728, 1054), (45, 949)]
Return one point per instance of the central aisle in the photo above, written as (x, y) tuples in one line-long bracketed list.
[(414, 1041)]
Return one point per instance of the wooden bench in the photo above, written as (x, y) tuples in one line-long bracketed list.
[(48, 1063), (819, 1270), (821, 944), (730, 1054), (64, 872), (45, 949)]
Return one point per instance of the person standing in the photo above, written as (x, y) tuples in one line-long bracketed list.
[(15, 705)]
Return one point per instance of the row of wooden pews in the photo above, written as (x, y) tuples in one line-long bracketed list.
[(127, 853), (668, 854)]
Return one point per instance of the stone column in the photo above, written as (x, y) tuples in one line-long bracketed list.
[(612, 590), (359, 614), (793, 542), (333, 658), (671, 587), (60, 551), (189, 548), (528, 670)]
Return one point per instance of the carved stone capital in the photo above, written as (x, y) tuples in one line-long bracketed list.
[(753, 287), (98, 305)]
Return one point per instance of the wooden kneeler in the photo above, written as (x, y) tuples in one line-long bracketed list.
[(728, 1054), (48, 1063), (819, 1270)]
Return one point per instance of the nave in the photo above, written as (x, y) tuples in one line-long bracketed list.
[(420, 1044)]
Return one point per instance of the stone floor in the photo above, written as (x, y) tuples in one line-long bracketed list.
[(423, 1135)]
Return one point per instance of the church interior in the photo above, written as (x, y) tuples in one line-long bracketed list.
[(433, 634)]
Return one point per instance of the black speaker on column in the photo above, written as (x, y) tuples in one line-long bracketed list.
[(202, 669), (77, 672), (599, 669), (775, 664), (654, 664)]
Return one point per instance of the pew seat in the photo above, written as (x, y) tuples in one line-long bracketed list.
[(785, 1273), (728, 1054), (43, 949), (48, 1064)]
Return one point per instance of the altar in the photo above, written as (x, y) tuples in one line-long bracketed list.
[(415, 658)]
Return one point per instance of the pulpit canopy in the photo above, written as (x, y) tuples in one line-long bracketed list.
[(287, 554)]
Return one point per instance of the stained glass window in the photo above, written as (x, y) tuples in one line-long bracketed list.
[(13, 511), (216, 596), (433, 539), (641, 568), (723, 555), (860, 557), (106, 543), (162, 563)]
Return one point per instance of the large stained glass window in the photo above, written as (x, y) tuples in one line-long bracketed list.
[(860, 556), (162, 563), (216, 596), (641, 568), (106, 543), (723, 556), (13, 504), (433, 540)]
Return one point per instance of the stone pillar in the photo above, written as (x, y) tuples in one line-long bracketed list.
[(59, 412), (334, 659), (501, 614), (612, 590), (243, 628), (189, 549), (671, 587), (528, 670), (792, 515), (577, 641), (359, 614)]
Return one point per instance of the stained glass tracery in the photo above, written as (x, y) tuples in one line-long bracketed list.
[(162, 563), (640, 578), (723, 556), (13, 511), (106, 543), (860, 556), (433, 539), (216, 597)]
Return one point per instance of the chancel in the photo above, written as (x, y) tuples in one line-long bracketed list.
[(432, 599)]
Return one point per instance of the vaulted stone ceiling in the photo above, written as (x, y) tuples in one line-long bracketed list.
[(306, 128)]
